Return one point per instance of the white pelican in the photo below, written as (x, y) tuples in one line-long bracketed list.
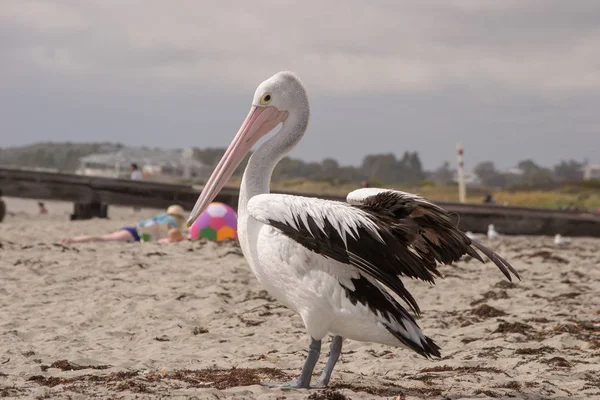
[(329, 261)]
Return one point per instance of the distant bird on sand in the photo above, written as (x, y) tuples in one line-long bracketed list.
[(331, 261), (491, 233), (561, 241)]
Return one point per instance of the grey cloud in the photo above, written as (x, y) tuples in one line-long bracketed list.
[(502, 76), (408, 45)]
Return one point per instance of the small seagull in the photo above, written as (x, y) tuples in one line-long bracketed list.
[(491, 233), (561, 241)]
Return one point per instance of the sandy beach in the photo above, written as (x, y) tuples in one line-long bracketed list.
[(188, 320)]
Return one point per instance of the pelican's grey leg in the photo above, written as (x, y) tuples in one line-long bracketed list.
[(335, 349), (303, 381)]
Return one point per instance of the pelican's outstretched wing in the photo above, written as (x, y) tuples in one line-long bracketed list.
[(385, 235), (437, 236)]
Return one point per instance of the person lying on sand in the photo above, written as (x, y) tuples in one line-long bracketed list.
[(156, 228)]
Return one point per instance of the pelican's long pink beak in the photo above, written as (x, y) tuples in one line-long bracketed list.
[(259, 122)]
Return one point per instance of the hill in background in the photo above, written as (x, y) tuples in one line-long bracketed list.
[(59, 156)]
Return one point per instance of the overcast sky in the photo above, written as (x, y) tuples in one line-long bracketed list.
[(511, 79)]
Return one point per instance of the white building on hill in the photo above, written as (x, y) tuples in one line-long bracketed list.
[(155, 164), (591, 171)]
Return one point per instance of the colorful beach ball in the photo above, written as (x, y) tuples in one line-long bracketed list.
[(217, 222)]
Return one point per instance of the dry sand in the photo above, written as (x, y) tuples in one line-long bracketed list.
[(189, 320)]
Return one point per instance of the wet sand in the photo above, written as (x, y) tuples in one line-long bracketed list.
[(189, 320)]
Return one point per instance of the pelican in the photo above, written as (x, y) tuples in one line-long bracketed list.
[(331, 261)]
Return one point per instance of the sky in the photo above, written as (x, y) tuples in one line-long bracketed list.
[(510, 79)]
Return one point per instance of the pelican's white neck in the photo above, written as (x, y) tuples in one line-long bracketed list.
[(257, 175)]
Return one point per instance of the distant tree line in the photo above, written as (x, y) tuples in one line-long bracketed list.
[(388, 169), (528, 173), (384, 169)]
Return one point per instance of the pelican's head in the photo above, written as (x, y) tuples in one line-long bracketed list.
[(274, 100), (283, 91), (490, 227)]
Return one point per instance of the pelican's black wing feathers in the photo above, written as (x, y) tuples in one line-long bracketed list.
[(386, 235)]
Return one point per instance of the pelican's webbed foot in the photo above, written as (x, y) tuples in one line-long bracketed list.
[(293, 384)]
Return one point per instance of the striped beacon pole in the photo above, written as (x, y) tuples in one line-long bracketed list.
[(462, 190)]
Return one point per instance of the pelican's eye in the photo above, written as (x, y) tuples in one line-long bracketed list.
[(266, 99)]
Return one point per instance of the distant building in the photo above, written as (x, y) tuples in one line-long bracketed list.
[(591, 171), (516, 171), (155, 164)]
